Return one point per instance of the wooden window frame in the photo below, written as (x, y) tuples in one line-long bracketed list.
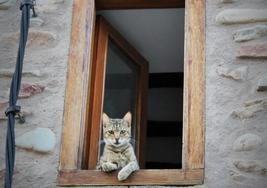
[(77, 101)]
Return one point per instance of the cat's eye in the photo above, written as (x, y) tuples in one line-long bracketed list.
[(111, 132), (123, 132)]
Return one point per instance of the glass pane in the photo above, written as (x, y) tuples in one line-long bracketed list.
[(121, 79)]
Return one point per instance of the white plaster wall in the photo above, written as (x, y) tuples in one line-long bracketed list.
[(224, 95)]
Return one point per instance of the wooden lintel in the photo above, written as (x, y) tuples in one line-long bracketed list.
[(138, 4)]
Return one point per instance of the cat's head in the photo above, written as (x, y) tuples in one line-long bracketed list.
[(117, 132)]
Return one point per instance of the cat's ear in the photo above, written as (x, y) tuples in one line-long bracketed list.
[(105, 119), (128, 118)]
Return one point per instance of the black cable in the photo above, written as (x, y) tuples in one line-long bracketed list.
[(13, 109)]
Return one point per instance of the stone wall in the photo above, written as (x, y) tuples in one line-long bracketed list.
[(43, 88), (236, 96), (236, 92)]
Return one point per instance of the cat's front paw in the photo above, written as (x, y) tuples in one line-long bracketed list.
[(123, 175), (108, 166)]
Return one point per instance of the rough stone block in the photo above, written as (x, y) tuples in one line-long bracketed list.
[(6, 4), (262, 85), (261, 101), (227, 1), (239, 177), (36, 38), (40, 38), (235, 16), (28, 90), (251, 109), (252, 166), (26, 73), (3, 106), (58, 1), (253, 50), (247, 142), (247, 113), (236, 176), (47, 8), (40, 139), (250, 33), (236, 74), (36, 22)]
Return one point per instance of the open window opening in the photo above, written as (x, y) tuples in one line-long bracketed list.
[(153, 96)]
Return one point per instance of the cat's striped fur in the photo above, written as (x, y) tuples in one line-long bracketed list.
[(118, 152)]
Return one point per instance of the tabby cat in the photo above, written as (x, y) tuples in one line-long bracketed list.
[(118, 152)]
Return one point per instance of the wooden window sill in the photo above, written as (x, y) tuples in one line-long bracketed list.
[(141, 177)]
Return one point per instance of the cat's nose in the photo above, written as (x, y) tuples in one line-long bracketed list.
[(117, 140)]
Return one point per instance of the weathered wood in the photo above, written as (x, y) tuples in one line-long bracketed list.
[(194, 83), (141, 177), (90, 100), (138, 4), (97, 94), (77, 83)]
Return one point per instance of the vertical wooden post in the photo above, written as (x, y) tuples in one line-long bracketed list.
[(194, 83), (77, 83)]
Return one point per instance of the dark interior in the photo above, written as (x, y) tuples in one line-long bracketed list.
[(164, 137)]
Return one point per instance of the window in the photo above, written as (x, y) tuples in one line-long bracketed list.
[(77, 161)]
